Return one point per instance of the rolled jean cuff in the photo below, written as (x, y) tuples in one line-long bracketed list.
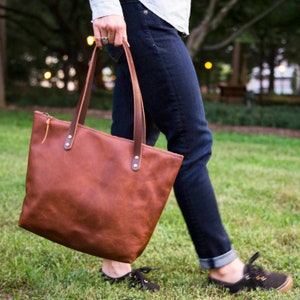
[(219, 261)]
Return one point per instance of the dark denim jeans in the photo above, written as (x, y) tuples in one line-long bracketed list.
[(173, 106)]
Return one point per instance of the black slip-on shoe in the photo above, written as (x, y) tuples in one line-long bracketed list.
[(256, 278), (135, 279)]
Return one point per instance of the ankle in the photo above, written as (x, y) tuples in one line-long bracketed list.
[(229, 273), (115, 269)]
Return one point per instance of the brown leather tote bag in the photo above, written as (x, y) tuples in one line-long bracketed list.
[(93, 192)]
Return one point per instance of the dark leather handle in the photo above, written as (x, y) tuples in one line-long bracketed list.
[(139, 131)]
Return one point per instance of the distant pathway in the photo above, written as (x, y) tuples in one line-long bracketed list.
[(105, 114)]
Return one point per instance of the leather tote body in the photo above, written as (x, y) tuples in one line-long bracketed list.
[(91, 191)]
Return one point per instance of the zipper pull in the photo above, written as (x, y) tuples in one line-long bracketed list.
[(48, 121)]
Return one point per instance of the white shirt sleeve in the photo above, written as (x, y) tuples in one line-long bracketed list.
[(101, 8)]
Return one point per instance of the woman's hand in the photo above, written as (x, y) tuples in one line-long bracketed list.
[(110, 30)]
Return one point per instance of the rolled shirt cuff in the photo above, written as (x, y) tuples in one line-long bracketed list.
[(102, 8)]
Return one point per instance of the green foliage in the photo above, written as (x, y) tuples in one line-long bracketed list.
[(256, 179), (278, 116), (262, 46), (47, 28), (53, 97), (59, 28), (268, 116)]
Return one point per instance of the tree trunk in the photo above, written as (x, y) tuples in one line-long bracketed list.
[(210, 22), (271, 62), (2, 58), (236, 62), (239, 65), (261, 67)]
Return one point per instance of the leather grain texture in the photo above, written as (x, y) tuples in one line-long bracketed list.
[(89, 198)]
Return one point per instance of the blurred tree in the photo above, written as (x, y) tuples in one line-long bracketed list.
[(265, 30), (213, 15), (37, 29), (277, 39), (2, 57)]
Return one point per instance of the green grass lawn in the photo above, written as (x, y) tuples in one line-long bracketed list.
[(256, 180)]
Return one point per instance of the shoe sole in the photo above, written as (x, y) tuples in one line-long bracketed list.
[(286, 286)]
